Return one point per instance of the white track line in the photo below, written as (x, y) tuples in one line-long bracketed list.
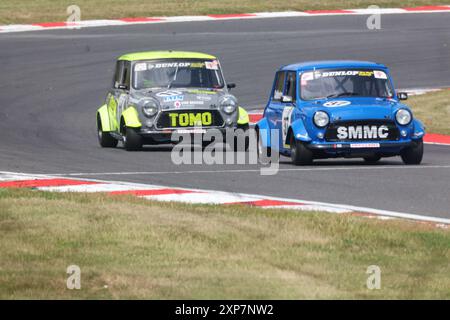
[(328, 168), (101, 187), (258, 15), (221, 197)]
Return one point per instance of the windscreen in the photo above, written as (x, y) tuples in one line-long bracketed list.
[(177, 74), (334, 83)]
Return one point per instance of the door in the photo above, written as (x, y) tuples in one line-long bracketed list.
[(118, 95), (287, 107), (274, 108)]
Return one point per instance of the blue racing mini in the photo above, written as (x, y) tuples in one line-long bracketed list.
[(329, 109)]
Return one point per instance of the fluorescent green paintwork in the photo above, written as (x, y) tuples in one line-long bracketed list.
[(112, 112), (153, 55), (243, 116), (131, 118), (104, 118)]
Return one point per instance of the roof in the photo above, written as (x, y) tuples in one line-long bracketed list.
[(151, 55), (332, 64)]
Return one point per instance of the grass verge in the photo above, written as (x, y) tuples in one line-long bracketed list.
[(32, 11), (132, 248), (433, 109)]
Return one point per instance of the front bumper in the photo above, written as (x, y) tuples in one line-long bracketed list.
[(165, 136), (358, 145), (358, 149)]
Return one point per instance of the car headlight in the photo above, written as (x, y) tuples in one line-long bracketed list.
[(321, 119), (228, 104), (150, 107), (403, 117)]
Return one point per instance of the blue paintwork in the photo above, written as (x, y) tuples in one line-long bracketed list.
[(263, 126), (360, 108)]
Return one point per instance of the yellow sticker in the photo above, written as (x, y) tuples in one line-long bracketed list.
[(197, 65), (365, 73), (190, 119)]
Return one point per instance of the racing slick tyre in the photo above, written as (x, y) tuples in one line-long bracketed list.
[(413, 154), (132, 141), (105, 139), (263, 153), (300, 155), (372, 159), (244, 128)]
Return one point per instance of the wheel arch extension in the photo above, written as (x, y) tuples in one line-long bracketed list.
[(103, 119), (299, 131), (130, 118), (263, 125), (243, 117)]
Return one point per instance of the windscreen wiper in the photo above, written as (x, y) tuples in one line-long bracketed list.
[(174, 78), (335, 95)]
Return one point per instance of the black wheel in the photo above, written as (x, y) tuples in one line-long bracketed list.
[(132, 141), (300, 155), (105, 139), (243, 128), (264, 153), (372, 159), (413, 154)]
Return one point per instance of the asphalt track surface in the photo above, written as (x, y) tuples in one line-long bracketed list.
[(51, 83)]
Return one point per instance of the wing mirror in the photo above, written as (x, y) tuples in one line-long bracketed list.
[(286, 99), (402, 95), (122, 87), (231, 85)]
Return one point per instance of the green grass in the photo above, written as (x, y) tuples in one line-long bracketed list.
[(132, 248), (433, 109), (31, 11)]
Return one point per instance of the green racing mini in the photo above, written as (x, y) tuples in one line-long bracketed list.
[(157, 93)]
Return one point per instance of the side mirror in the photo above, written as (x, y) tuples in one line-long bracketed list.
[(402, 95), (122, 87), (286, 99), (231, 85)]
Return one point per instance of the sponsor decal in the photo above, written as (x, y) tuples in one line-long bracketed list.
[(379, 74), (307, 76), (364, 145), (212, 65), (343, 73), (140, 67), (190, 119), (197, 65), (204, 98), (187, 131), (193, 102), (362, 132), (169, 93), (339, 73), (336, 103), (169, 65), (365, 73), (201, 92), (173, 98), (180, 103)]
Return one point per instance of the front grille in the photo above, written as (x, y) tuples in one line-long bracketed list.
[(189, 119), (361, 130)]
